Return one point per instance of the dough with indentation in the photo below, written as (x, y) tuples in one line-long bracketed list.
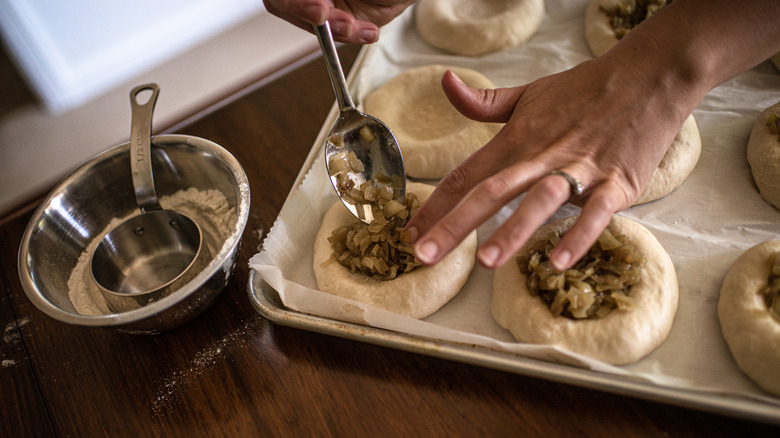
[(684, 153), (599, 33), (434, 137), (476, 27), (620, 337), (752, 333), (416, 294), (763, 155)]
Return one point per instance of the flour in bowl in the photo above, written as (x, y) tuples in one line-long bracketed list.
[(208, 208)]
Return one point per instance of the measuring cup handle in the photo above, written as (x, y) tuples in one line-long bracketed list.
[(334, 66), (141, 148)]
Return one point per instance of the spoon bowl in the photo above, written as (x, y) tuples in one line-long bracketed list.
[(359, 148)]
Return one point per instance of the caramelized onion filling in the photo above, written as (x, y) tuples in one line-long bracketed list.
[(381, 249), (344, 169), (771, 291), (598, 283), (629, 13)]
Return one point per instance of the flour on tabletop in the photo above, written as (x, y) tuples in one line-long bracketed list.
[(208, 208), (174, 388)]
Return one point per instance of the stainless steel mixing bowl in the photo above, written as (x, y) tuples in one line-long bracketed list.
[(86, 201)]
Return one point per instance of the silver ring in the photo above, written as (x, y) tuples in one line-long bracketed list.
[(574, 184)]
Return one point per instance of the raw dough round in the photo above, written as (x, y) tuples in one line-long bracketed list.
[(599, 33), (676, 165), (416, 294), (763, 155), (619, 338), (684, 153), (434, 137), (751, 332), (476, 27)]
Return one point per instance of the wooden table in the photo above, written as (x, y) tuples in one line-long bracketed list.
[(232, 373)]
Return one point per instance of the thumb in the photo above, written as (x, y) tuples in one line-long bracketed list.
[(483, 105)]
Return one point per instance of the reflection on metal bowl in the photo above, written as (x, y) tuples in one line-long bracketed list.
[(86, 201)]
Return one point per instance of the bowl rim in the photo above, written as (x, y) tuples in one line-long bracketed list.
[(122, 318)]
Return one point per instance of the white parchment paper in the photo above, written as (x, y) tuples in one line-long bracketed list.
[(704, 225)]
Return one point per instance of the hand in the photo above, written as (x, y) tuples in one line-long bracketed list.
[(598, 122), (352, 22), (607, 122)]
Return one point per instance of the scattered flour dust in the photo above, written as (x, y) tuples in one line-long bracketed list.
[(12, 338), (173, 389), (208, 208)]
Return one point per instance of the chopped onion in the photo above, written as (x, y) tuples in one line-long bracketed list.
[(598, 283)]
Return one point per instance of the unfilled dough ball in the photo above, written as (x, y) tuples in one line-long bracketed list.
[(434, 137), (763, 155), (476, 27)]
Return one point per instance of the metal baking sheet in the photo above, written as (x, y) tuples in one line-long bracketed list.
[(267, 302)]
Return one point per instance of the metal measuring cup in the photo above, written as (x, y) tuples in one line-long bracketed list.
[(148, 256)]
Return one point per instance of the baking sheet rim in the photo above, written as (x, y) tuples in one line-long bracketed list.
[(482, 356)]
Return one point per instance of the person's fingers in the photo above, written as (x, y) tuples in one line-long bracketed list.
[(476, 168), (542, 200), (450, 191), (347, 29), (344, 27), (483, 105), (440, 227), (303, 14), (594, 218)]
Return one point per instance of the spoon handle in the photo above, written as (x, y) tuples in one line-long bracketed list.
[(141, 148), (334, 66)]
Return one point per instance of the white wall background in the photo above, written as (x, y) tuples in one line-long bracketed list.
[(74, 50), (86, 57)]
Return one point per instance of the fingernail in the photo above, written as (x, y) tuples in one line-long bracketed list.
[(457, 78), (315, 13), (413, 234), (427, 252), (368, 36), (488, 256), (560, 258)]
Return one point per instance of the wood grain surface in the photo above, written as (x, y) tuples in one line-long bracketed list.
[(232, 373)]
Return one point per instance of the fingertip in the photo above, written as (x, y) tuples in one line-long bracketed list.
[(427, 252), (451, 78), (368, 35), (560, 259), (481, 104), (489, 256), (453, 85), (315, 14)]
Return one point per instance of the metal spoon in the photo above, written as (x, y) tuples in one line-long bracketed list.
[(149, 255), (369, 138)]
